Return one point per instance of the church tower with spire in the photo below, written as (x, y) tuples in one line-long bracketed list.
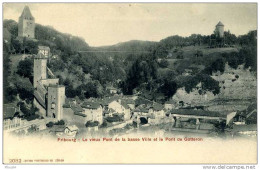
[(26, 24)]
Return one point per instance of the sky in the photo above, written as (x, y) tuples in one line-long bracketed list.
[(111, 23)]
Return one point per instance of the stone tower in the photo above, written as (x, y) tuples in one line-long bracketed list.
[(49, 96), (26, 24), (56, 100), (219, 31), (39, 69)]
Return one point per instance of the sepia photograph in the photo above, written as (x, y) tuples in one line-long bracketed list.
[(129, 83)]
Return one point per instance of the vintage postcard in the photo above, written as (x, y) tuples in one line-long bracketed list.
[(129, 83)]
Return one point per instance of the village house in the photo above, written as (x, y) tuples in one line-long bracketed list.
[(92, 128), (14, 121), (156, 110), (71, 130), (72, 102), (246, 130), (244, 117), (121, 108), (112, 90), (109, 112), (58, 130), (93, 111), (12, 118), (78, 110), (130, 103), (168, 105)]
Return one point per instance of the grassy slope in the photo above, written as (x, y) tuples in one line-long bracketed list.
[(190, 61)]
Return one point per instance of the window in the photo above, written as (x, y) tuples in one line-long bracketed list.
[(53, 105)]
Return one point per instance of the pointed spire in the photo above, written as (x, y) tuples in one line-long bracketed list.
[(220, 24), (26, 13)]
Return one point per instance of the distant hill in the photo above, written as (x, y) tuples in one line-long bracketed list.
[(133, 46)]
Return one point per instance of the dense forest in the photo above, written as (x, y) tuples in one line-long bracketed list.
[(140, 67)]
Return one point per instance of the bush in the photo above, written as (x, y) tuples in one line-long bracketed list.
[(91, 124), (60, 122), (199, 53), (115, 118), (50, 124), (104, 124), (164, 63)]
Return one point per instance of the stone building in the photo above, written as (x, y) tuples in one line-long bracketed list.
[(56, 99), (93, 111), (44, 50), (26, 24), (49, 95), (219, 31), (120, 107)]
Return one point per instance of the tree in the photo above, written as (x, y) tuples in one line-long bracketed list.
[(163, 63), (25, 68), (168, 88), (50, 124), (7, 89), (31, 46), (91, 123), (60, 122), (104, 124), (198, 53), (24, 89), (217, 65), (230, 39), (17, 45), (29, 113)]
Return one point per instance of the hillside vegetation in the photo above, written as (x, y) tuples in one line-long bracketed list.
[(154, 70)]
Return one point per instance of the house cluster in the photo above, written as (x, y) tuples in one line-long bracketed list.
[(14, 121), (116, 108), (243, 122)]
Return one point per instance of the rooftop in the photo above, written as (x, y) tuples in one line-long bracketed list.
[(90, 105), (26, 13), (196, 112), (9, 112), (72, 128), (220, 24), (43, 47)]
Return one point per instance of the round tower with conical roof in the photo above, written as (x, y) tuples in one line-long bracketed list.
[(26, 24), (219, 31)]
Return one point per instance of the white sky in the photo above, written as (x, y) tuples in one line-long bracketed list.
[(110, 23)]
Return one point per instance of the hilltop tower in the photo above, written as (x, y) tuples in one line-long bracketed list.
[(219, 31), (26, 24)]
